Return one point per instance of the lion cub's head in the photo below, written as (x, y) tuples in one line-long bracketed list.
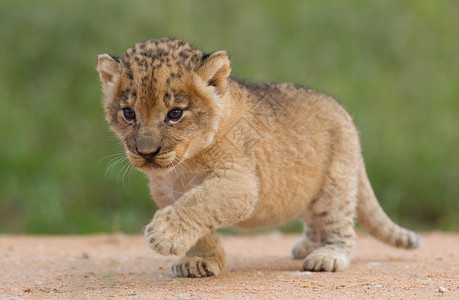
[(163, 99)]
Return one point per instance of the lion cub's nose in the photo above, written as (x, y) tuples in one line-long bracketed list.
[(148, 153)]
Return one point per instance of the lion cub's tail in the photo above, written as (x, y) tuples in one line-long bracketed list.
[(372, 218)]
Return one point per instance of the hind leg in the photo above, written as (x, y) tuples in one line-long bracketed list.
[(307, 243), (332, 214)]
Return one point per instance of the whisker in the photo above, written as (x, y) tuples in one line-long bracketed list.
[(123, 170), (181, 176), (111, 155), (127, 171), (115, 161), (174, 185)]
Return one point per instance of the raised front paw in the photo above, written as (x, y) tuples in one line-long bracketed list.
[(198, 266), (171, 233), (326, 259)]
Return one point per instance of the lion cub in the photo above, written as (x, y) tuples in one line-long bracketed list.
[(222, 153)]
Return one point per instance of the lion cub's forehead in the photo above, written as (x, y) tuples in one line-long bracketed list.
[(156, 70), (154, 59)]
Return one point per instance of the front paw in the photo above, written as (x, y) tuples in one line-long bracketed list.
[(171, 233), (198, 266)]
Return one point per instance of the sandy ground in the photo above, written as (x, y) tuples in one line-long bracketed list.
[(259, 267)]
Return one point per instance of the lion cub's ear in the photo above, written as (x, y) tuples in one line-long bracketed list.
[(215, 70), (108, 68)]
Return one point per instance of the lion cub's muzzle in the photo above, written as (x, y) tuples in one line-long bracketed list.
[(155, 159)]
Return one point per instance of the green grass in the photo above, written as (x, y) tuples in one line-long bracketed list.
[(393, 65)]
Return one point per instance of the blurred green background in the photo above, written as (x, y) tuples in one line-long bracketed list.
[(393, 64)]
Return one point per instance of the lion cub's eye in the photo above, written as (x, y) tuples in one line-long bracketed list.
[(175, 114), (129, 114)]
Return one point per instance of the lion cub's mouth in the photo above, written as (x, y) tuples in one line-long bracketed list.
[(161, 161)]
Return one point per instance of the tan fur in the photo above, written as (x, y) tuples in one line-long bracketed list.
[(258, 155)]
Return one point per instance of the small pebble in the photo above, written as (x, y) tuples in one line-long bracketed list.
[(427, 281), (374, 263), (305, 273), (442, 289)]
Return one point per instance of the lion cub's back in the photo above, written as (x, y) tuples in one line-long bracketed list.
[(293, 117)]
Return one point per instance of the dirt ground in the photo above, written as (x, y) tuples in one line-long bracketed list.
[(259, 267)]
